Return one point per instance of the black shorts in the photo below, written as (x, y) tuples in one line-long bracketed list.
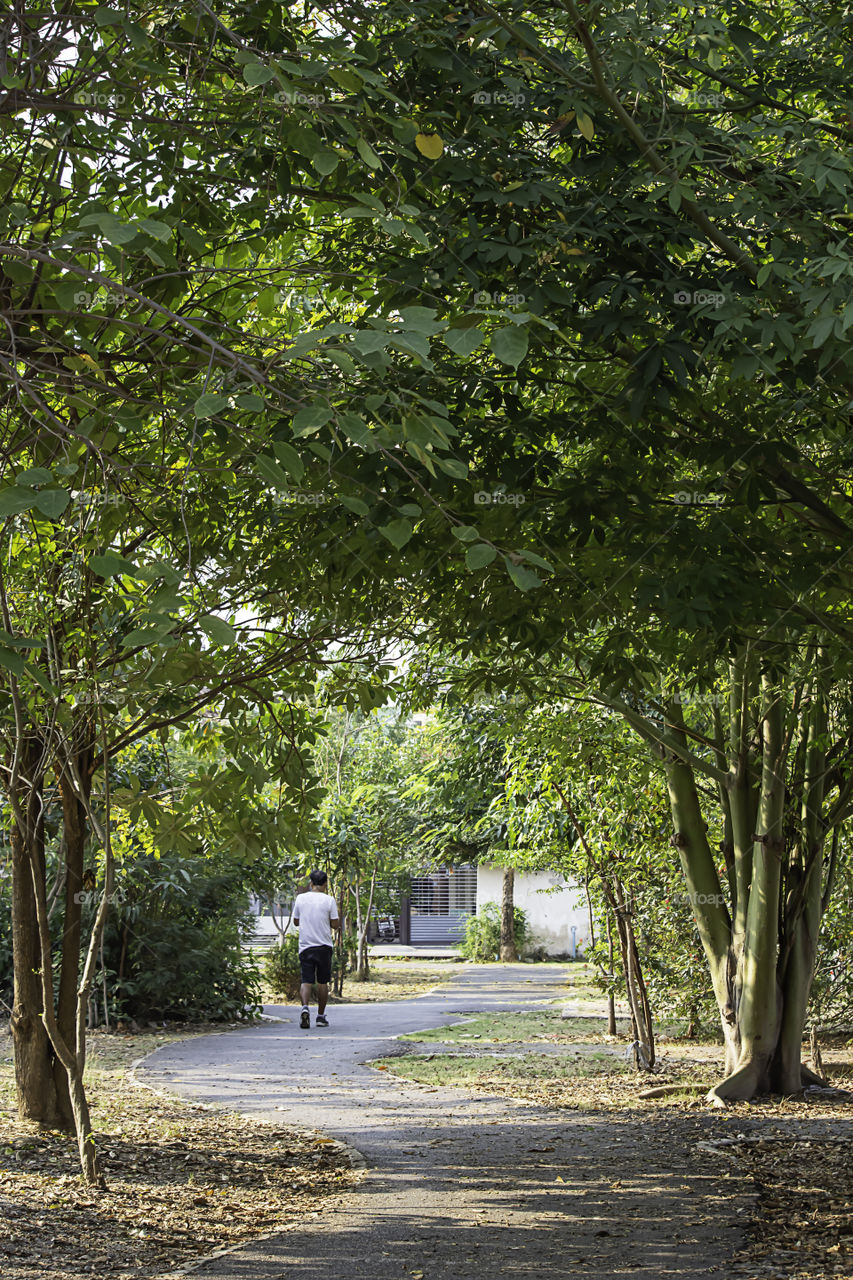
[(316, 964)]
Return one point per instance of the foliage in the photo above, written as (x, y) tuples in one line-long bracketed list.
[(482, 939), (831, 1004), (281, 967), (176, 945)]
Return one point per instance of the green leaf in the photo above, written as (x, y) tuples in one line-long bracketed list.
[(586, 126), (209, 404), (307, 421), (463, 342), (465, 532), (325, 162), (478, 556), (217, 629), (109, 564), (255, 73), (510, 344), (367, 341), (357, 430), (142, 636), (354, 504), (532, 558), (368, 155), (15, 500), (524, 579), (272, 473), (38, 475), (52, 502), (452, 467), (252, 402), (398, 532), (289, 459), (159, 230), (15, 662), (119, 233)]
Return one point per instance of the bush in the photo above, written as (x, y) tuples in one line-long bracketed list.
[(483, 933), (175, 946), (281, 967)]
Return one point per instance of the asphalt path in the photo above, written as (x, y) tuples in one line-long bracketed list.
[(458, 1185)]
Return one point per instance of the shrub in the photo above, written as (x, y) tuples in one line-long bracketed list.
[(483, 933), (175, 945), (281, 967)]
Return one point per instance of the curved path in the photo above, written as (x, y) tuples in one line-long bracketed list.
[(459, 1186)]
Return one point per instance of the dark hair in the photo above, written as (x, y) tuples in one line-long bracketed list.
[(318, 877)]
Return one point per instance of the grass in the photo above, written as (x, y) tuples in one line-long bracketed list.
[(478, 1070), (546, 1025), (389, 980)]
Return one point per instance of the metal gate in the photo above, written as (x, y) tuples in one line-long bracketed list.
[(441, 903)]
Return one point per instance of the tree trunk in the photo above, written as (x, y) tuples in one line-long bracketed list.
[(638, 1000), (762, 955), (34, 1071), (75, 831), (509, 952)]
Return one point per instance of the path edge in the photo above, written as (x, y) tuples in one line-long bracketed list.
[(357, 1162)]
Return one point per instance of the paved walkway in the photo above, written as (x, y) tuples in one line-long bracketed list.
[(459, 1186)]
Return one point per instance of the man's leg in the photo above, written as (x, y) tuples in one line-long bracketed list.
[(322, 996), (305, 993)]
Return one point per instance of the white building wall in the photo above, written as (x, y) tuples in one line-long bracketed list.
[(551, 903)]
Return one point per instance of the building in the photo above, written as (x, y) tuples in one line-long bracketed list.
[(441, 902), (436, 910)]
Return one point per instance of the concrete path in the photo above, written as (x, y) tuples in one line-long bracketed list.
[(459, 1186)]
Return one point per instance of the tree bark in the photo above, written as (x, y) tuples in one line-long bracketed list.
[(762, 954), (35, 1086), (75, 831), (509, 951)]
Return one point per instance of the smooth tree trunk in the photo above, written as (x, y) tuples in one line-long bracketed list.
[(363, 970), (509, 951), (759, 937), (75, 834)]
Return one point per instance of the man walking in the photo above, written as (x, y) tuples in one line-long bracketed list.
[(315, 915)]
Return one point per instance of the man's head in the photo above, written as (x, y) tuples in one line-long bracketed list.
[(318, 879)]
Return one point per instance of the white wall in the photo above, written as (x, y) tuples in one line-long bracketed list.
[(551, 903)]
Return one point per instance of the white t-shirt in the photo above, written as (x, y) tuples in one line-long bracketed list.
[(314, 911)]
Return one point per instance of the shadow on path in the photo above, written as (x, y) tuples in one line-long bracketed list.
[(460, 1185)]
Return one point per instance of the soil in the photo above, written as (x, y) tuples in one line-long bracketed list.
[(183, 1179)]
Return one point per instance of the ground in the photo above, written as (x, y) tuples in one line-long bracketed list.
[(187, 1179), (184, 1179)]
